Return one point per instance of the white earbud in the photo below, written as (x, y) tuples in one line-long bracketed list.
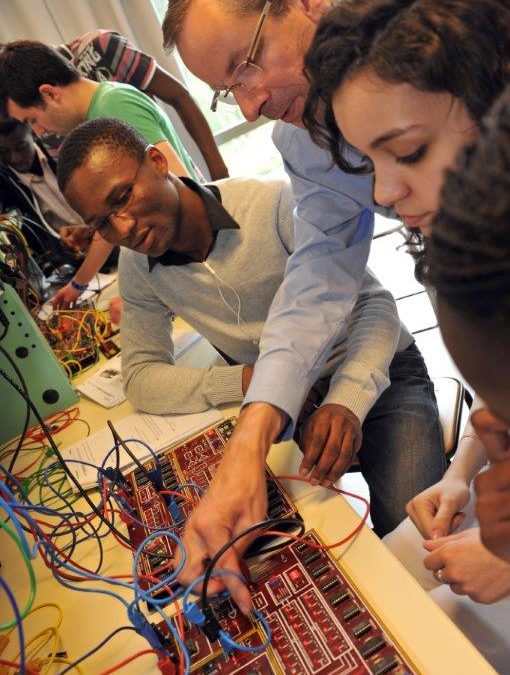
[(236, 313)]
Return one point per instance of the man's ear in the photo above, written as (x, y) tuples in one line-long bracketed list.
[(314, 9), (50, 92), (158, 159)]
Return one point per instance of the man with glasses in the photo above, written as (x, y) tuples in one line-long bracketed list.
[(247, 74), (52, 97), (214, 255), (254, 52)]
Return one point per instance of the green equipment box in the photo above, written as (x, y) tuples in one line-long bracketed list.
[(46, 381)]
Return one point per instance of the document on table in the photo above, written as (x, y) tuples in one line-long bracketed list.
[(157, 431), (105, 387)]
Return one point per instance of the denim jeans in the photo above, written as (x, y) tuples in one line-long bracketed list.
[(402, 452)]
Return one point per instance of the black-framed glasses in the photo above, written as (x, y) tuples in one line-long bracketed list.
[(246, 74), (122, 203)]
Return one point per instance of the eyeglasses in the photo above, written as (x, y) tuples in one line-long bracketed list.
[(246, 74), (122, 203)]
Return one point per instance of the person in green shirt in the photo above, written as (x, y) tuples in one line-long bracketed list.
[(104, 55), (52, 97), (122, 101)]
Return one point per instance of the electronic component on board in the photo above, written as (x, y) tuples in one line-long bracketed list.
[(311, 634), (78, 336), (319, 622), (191, 464)]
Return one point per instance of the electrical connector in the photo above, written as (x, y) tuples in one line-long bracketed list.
[(173, 508), (35, 665), (156, 478), (144, 628), (114, 475), (165, 639), (211, 628), (205, 620), (24, 489), (194, 614), (226, 644), (166, 666)]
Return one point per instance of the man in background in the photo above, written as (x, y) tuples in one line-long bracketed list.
[(55, 233), (103, 55), (53, 97)]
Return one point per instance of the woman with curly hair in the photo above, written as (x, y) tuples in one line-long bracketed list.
[(407, 83)]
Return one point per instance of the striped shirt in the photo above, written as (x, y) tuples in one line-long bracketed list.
[(104, 55)]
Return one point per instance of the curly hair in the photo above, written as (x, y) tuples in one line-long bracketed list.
[(102, 132), (469, 251), (459, 47), (25, 65)]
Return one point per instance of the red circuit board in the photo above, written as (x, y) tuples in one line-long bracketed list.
[(320, 623), (193, 462), (77, 336)]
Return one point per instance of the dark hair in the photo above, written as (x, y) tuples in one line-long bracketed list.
[(83, 141), (25, 65), (469, 252), (461, 47), (177, 10), (8, 125)]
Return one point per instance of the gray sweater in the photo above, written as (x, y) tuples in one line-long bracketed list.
[(227, 298)]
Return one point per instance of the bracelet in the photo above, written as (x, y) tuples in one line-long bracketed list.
[(77, 286)]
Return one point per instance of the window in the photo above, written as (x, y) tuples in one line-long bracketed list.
[(246, 148)]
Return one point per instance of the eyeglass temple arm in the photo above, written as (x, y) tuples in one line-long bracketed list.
[(255, 41), (250, 55)]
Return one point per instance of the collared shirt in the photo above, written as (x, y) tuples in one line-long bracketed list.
[(248, 265), (333, 224), (54, 207), (218, 217)]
